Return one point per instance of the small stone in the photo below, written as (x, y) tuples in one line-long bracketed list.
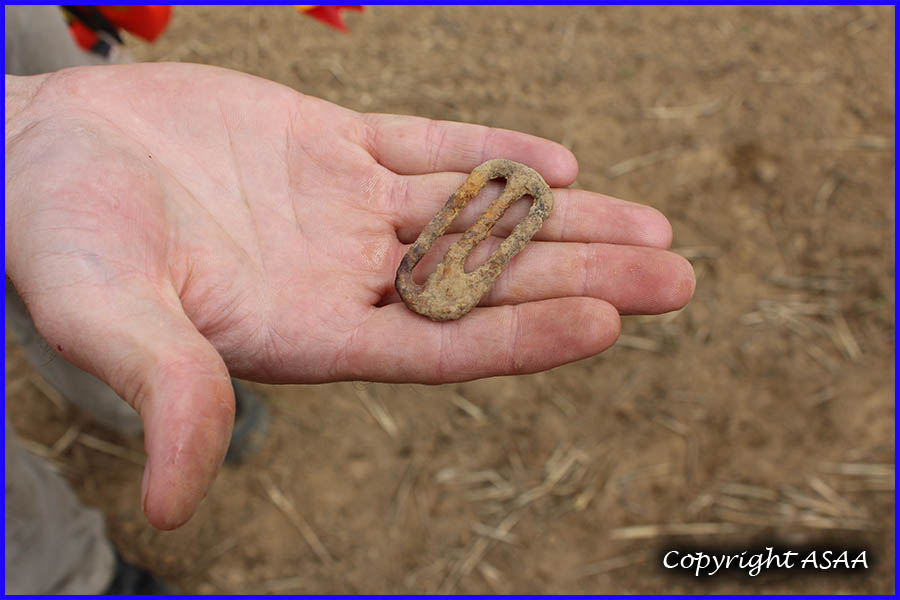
[(765, 171)]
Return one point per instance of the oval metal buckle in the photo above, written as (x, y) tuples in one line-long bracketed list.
[(450, 292)]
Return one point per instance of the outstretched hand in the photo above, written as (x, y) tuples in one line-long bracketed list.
[(167, 224)]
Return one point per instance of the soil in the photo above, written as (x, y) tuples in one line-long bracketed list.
[(760, 414)]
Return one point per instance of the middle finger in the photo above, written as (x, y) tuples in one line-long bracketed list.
[(577, 215)]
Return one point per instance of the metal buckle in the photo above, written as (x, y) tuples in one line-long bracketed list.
[(450, 292)]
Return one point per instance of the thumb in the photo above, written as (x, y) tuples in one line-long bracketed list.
[(140, 342)]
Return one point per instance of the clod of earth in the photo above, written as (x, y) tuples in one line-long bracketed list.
[(450, 292)]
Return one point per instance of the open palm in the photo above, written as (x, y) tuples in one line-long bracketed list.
[(168, 224)]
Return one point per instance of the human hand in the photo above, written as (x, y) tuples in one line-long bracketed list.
[(167, 224)]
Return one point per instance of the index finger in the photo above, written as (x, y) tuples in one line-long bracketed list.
[(418, 146)]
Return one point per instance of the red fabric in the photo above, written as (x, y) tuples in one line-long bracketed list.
[(147, 22), (84, 35), (331, 14)]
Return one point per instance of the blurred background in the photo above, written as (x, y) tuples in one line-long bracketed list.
[(761, 413)]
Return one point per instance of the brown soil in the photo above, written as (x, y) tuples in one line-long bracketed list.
[(764, 409)]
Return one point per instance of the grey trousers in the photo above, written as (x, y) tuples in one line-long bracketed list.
[(54, 543)]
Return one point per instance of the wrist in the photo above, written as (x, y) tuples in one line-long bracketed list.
[(19, 93)]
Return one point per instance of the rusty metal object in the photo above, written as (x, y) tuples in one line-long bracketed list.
[(450, 292)]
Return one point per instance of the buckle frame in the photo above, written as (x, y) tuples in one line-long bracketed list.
[(449, 292)]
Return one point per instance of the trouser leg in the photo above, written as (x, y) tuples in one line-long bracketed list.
[(54, 543)]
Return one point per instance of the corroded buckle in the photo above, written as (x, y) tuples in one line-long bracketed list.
[(450, 292)]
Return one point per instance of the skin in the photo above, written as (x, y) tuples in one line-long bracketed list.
[(167, 224)]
